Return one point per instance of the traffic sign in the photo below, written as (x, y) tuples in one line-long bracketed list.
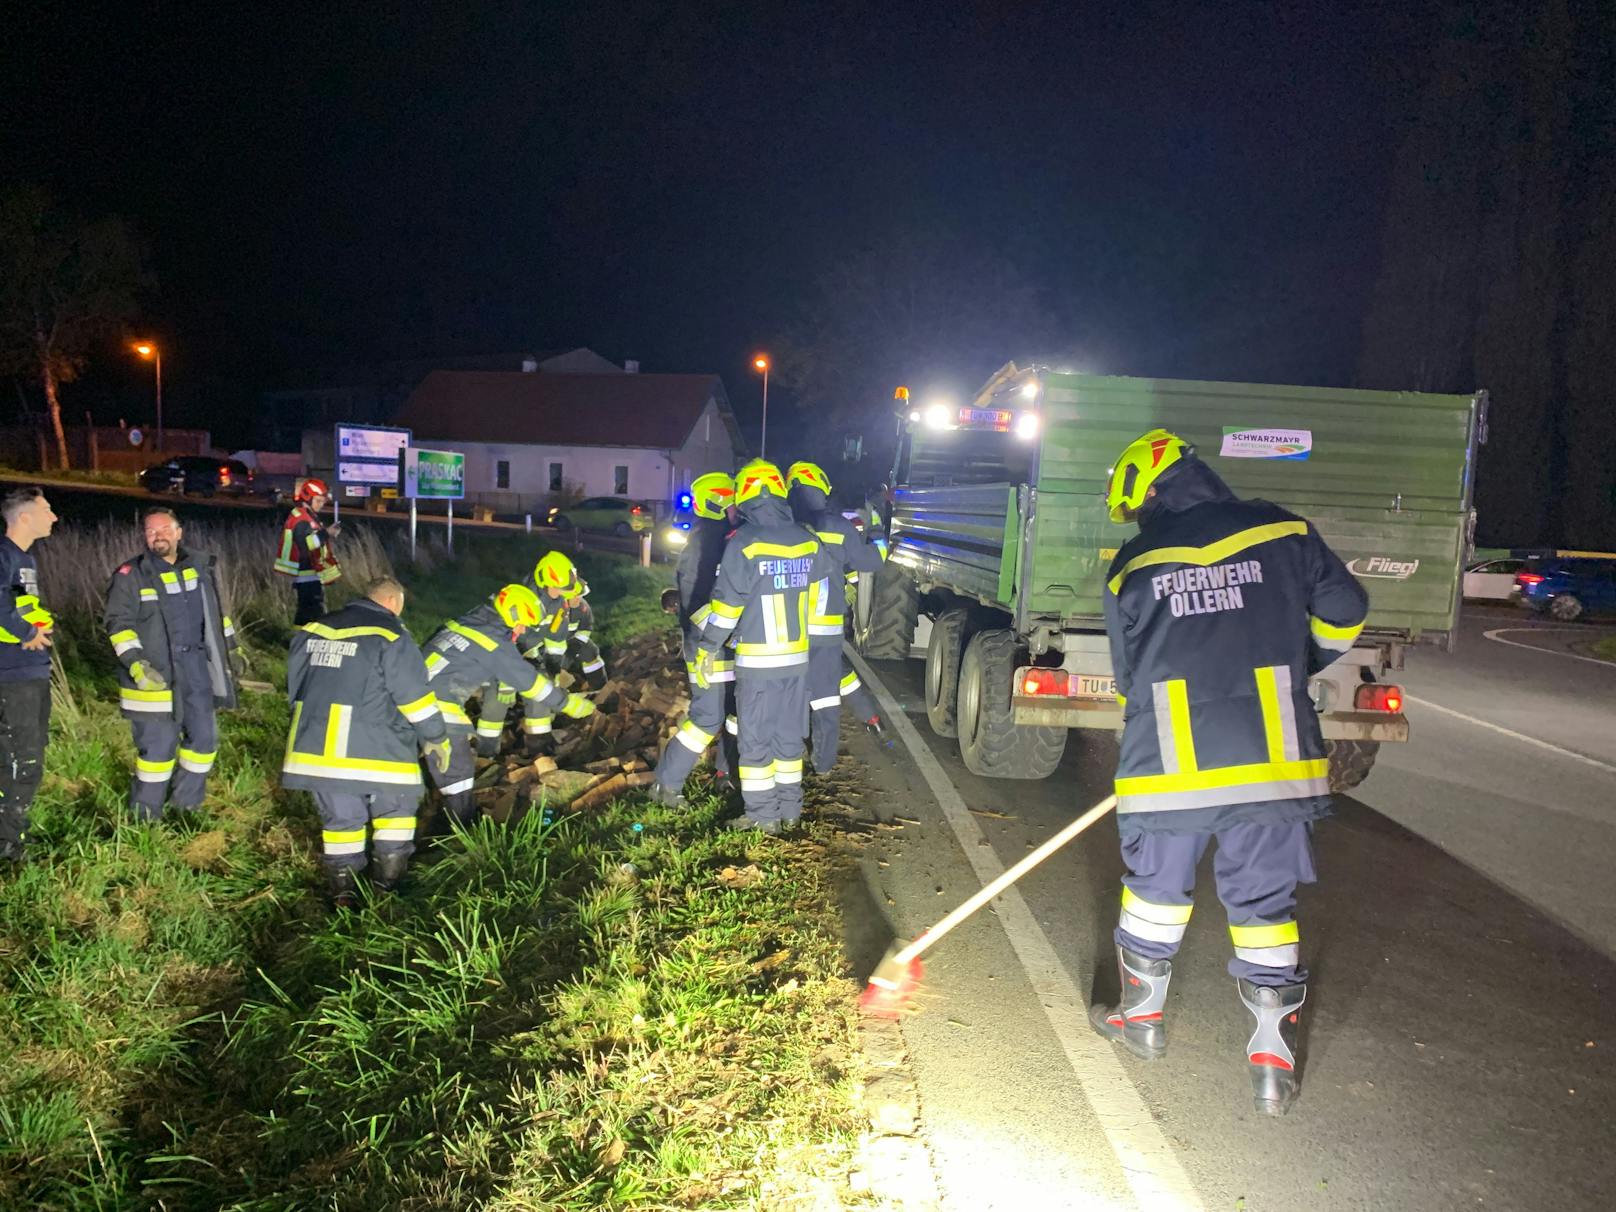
[(434, 474)]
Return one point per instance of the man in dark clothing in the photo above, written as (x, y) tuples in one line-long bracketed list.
[(178, 652), (1218, 612), (25, 666), (712, 499)]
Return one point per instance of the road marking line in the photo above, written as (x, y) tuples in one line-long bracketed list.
[(1148, 1162), (1498, 631), (1510, 732)]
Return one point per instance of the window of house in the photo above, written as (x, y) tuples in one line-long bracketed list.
[(620, 478), (555, 477), (502, 474)]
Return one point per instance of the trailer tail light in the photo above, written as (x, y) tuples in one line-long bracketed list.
[(1044, 681), (1379, 697)]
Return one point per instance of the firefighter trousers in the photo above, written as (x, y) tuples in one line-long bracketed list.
[(24, 728), (1257, 868), (773, 710), (711, 717), (310, 602), (455, 783), (172, 759), (344, 816)]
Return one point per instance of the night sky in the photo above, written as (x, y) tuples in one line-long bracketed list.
[(1191, 190)]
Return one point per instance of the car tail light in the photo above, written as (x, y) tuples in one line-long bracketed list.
[(1044, 681), (636, 509), (224, 475), (1528, 578), (1379, 697)]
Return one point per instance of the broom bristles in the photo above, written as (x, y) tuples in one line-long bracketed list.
[(888, 993)]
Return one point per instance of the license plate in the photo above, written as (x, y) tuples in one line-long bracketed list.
[(1087, 686)]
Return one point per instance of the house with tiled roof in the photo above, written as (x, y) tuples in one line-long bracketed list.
[(534, 440)]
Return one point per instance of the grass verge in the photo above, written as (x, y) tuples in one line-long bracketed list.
[(1605, 649), (625, 1009)]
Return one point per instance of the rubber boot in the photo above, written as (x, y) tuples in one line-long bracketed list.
[(538, 744), (595, 679), (1271, 1050), (342, 886), (1137, 1023), (387, 869)]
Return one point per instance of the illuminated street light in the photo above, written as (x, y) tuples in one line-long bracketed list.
[(149, 351), (761, 362)]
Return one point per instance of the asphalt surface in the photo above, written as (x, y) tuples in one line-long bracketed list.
[(1458, 1050)]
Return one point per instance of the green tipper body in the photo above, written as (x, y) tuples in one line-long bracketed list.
[(1020, 522)]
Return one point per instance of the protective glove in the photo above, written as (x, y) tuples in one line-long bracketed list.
[(333, 529), (146, 677), (487, 746), (704, 666), (439, 753), (577, 707)]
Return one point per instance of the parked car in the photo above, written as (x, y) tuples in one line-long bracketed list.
[(609, 515), (1492, 580), (199, 474), (1567, 588)]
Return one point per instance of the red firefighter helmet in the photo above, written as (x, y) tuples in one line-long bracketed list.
[(311, 488)]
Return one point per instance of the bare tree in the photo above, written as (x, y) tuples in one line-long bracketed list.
[(64, 284)]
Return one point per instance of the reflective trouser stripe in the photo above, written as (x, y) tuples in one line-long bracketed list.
[(732, 725), (457, 788), (490, 727), (537, 727), (834, 700), (850, 683), (1273, 945), (153, 772), (788, 770), (1172, 703), (757, 778), (343, 841), (1150, 920), (196, 763), (693, 738), (595, 664), (392, 828)]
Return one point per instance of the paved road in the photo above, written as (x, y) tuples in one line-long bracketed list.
[(1462, 938)]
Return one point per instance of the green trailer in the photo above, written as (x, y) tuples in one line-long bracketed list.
[(1000, 541)]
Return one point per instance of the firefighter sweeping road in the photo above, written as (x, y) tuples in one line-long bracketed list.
[(1462, 937)]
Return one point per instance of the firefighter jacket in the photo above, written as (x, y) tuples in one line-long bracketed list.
[(476, 651), (844, 545), (20, 614), (306, 553), (361, 706), (146, 600), (1218, 611), (764, 586), (694, 576)]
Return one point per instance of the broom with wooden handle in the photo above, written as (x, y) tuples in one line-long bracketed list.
[(898, 975)]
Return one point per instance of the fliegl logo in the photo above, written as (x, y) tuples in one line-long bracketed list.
[(1383, 567)]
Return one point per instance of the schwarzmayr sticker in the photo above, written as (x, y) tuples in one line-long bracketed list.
[(1266, 443)]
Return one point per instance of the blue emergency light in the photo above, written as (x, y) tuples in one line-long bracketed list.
[(683, 501)]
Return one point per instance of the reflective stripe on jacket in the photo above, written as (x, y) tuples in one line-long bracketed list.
[(475, 652), (305, 553), (1218, 612), (361, 706)]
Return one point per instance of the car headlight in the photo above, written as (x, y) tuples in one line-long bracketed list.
[(674, 537)]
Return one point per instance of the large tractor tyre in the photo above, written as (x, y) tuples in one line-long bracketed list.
[(886, 621), (1350, 762), (990, 740), (949, 632)]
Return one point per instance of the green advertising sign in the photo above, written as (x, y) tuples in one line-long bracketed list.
[(434, 474)]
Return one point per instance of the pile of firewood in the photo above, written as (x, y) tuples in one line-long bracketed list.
[(613, 751)]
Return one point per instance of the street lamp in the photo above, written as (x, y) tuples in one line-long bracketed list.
[(149, 351), (761, 362)]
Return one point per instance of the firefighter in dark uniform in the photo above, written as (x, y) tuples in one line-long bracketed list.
[(177, 652), (472, 653), (360, 708), (760, 601), (712, 499), (828, 676), (25, 666), (1218, 612), (305, 552), (562, 638)]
